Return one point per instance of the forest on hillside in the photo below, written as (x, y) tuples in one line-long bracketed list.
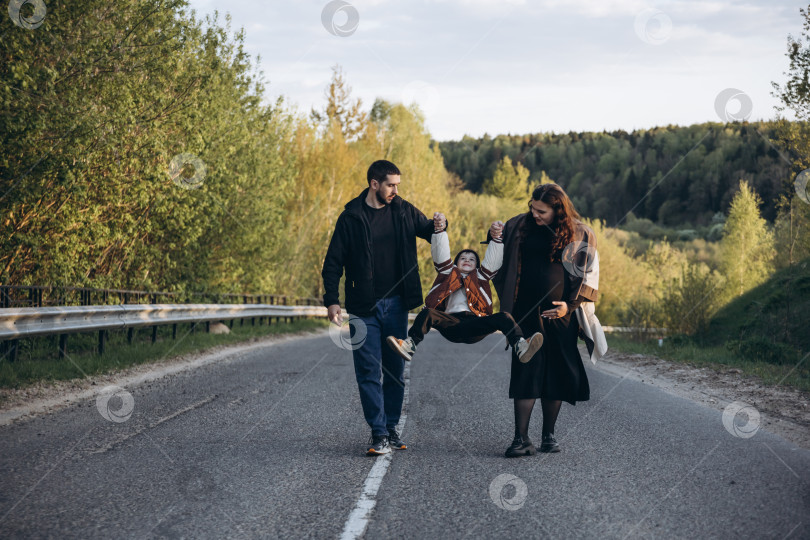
[(674, 176)]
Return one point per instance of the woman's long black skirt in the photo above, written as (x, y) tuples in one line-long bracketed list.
[(556, 371)]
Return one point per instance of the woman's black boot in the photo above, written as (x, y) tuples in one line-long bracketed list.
[(549, 444), (521, 446)]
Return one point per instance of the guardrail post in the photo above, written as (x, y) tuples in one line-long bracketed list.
[(207, 327), (62, 345), (174, 331), (130, 335), (102, 338), (154, 328)]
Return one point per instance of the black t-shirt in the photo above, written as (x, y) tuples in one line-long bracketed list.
[(387, 272)]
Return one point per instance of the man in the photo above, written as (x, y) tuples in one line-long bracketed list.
[(375, 241)]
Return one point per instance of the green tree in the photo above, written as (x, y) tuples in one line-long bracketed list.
[(690, 299), (792, 225), (509, 181), (792, 231), (747, 246), (94, 106), (544, 179), (340, 108), (795, 93)]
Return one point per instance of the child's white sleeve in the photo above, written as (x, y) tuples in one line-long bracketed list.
[(440, 251), (493, 259)]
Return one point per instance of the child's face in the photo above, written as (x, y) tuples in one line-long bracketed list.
[(466, 263)]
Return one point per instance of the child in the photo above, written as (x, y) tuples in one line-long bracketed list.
[(459, 305)]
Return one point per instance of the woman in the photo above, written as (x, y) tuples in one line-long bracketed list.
[(549, 254)]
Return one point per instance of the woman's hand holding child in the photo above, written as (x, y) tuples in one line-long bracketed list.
[(496, 230)]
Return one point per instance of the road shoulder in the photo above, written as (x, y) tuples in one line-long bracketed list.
[(784, 411)]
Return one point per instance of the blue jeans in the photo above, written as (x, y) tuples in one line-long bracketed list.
[(378, 369)]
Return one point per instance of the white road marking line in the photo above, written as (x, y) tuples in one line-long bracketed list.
[(358, 520)]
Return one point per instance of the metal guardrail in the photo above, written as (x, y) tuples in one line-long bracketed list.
[(18, 323), (632, 329), (32, 322)]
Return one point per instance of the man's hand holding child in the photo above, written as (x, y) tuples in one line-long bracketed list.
[(439, 222)]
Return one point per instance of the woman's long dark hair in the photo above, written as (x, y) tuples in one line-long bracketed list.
[(564, 216)]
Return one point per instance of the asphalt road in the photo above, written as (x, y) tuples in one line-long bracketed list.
[(269, 444)]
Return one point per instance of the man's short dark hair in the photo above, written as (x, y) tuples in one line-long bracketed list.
[(380, 170), (462, 252)]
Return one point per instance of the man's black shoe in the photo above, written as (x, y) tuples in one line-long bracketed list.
[(378, 445), (521, 447), (394, 441), (549, 444)]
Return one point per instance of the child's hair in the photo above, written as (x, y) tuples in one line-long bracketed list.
[(477, 258)]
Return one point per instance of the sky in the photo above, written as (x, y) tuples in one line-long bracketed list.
[(521, 66)]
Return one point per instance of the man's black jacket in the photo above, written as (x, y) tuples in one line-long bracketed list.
[(351, 247)]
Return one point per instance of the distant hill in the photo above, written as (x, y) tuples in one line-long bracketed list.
[(671, 175), (769, 322)]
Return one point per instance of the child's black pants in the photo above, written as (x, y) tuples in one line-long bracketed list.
[(464, 327)]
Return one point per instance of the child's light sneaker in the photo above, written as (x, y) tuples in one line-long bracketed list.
[(525, 350), (403, 347)]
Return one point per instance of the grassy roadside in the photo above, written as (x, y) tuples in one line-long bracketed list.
[(689, 352), (38, 362)]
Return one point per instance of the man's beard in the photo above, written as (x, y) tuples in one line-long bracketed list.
[(381, 199)]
